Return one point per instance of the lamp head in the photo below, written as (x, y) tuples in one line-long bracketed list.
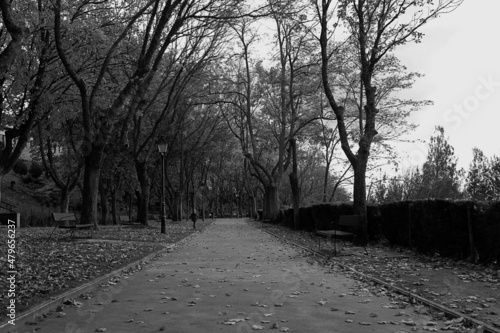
[(162, 145)]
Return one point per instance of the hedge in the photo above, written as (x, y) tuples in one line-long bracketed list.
[(441, 227)]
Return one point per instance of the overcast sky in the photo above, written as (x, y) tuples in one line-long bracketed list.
[(459, 57)]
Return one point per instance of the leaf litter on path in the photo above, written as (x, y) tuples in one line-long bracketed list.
[(46, 268), (441, 280)]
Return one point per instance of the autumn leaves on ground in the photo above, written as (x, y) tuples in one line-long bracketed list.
[(473, 290), (49, 267)]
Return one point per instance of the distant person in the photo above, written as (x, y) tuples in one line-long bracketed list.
[(193, 218)]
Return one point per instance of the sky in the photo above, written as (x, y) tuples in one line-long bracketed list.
[(460, 58)]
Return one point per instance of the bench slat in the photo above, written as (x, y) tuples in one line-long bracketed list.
[(76, 226), (125, 220), (329, 233), (63, 217)]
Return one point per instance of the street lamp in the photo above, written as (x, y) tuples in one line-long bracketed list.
[(202, 185), (162, 148), (237, 195)]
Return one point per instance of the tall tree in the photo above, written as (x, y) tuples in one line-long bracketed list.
[(483, 177), (477, 176), (407, 186), (375, 29), (265, 104), (440, 176), (60, 155), (495, 177)]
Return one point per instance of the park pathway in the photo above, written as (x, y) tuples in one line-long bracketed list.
[(233, 277)]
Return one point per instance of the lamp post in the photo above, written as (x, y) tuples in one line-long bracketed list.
[(162, 148), (237, 195), (202, 185)]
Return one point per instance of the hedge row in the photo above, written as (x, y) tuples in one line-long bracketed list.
[(431, 227)]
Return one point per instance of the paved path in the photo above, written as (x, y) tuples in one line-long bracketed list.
[(234, 278)]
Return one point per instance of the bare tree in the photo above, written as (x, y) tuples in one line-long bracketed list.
[(376, 29)]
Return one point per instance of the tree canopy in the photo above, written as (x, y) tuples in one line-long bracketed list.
[(103, 81)]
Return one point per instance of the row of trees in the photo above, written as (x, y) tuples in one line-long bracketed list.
[(440, 178), (102, 81)]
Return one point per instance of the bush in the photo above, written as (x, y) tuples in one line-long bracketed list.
[(428, 226), (20, 168), (440, 226), (487, 233), (306, 218), (36, 170)]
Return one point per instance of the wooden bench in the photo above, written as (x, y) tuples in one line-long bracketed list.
[(7, 206), (125, 220), (70, 222), (154, 218), (346, 222)]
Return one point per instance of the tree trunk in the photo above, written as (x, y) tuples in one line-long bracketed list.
[(18, 33), (218, 210), (142, 208), (182, 205), (270, 203), (90, 193), (143, 205), (113, 207), (250, 206), (294, 184), (253, 207), (325, 181), (64, 200), (359, 197), (103, 194), (231, 209), (176, 211), (240, 207)]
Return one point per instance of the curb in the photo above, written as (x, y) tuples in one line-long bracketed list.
[(442, 308), (32, 314)]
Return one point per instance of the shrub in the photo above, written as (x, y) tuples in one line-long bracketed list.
[(487, 233), (36, 170), (21, 168)]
